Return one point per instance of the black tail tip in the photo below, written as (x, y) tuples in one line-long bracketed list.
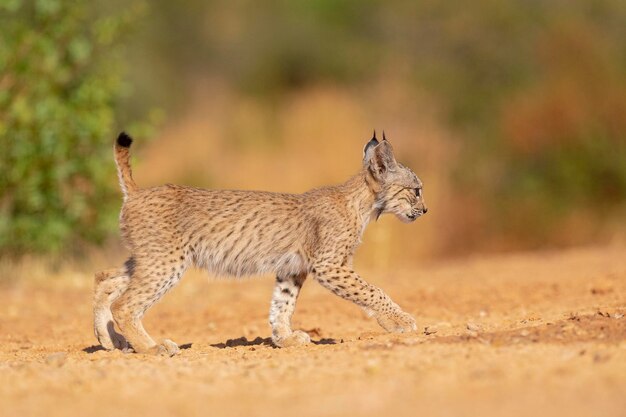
[(124, 140)]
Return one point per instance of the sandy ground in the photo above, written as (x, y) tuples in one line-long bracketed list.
[(530, 334)]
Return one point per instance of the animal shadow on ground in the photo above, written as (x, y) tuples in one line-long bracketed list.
[(93, 349), (260, 341), (230, 343), (96, 348)]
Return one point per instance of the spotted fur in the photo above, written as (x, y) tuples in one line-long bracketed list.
[(237, 233)]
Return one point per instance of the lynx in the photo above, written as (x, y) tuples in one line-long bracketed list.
[(238, 233)]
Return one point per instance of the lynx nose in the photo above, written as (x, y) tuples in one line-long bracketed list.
[(425, 210)]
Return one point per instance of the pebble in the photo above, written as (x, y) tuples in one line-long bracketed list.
[(473, 327), (428, 330)]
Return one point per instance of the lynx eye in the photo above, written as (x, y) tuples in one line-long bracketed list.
[(418, 192)]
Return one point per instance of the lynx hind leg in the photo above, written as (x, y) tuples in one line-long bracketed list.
[(147, 287), (284, 298), (108, 286)]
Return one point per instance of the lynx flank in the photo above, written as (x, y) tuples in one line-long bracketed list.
[(171, 228)]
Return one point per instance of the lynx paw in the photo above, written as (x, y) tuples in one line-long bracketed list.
[(296, 338), (166, 348), (397, 322)]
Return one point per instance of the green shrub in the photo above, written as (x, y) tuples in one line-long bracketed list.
[(60, 84)]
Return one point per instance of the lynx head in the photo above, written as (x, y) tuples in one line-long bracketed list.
[(397, 188)]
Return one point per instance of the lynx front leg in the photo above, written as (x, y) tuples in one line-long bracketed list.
[(284, 299), (347, 284)]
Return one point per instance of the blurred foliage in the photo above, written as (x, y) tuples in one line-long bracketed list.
[(60, 82), (542, 110)]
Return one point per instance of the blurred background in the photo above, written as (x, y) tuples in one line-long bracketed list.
[(512, 113)]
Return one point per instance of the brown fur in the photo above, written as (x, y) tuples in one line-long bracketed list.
[(171, 228)]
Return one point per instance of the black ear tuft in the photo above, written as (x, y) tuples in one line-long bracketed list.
[(369, 146), (124, 140), (384, 138)]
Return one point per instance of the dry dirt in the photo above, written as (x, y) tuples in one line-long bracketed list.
[(529, 334)]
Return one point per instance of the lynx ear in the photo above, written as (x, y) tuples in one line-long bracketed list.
[(382, 161), (368, 150)]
